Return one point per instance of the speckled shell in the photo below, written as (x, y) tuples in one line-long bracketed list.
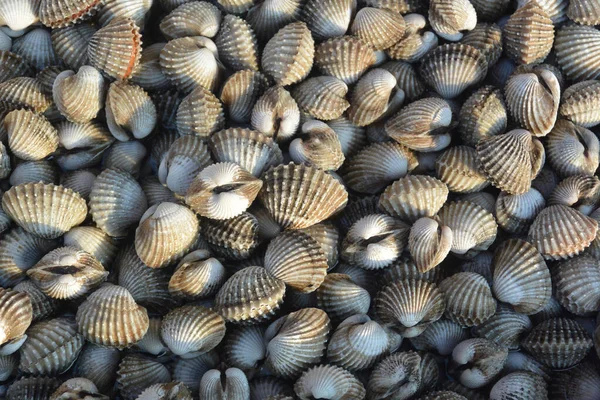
[(288, 56), (237, 44), (581, 103), (576, 285), (558, 343), (34, 387), (136, 372), (440, 336), (482, 359), (192, 19), (482, 115), (326, 380), (448, 18), (36, 48), (79, 96), (572, 149), (328, 19), (458, 168), (116, 49), (265, 297), (529, 34), (130, 112), (24, 92), (240, 93), (31, 136), (322, 97), (16, 314), (42, 305), (372, 95), (340, 297), (234, 238), (200, 113), (578, 52), (584, 12)]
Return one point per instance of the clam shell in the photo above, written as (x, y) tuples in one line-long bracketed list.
[(458, 168), (191, 19), (357, 208), (581, 381), (352, 138), (137, 10), (341, 298), (137, 372), (265, 386), (327, 236), (111, 317), (36, 48), (130, 112), (267, 17), (448, 18), (572, 149), (400, 6), (414, 197), (556, 9), (8, 366), (34, 387), (429, 243), (186, 157), (249, 296), (584, 12), (321, 147), (482, 115), (558, 343), (34, 171), (155, 192), (276, 114), (518, 361), (380, 28), (79, 96), (440, 336), (237, 44), (529, 34), (469, 300), (233, 385), (197, 276), (12, 66), (452, 68), (83, 144), (98, 364), (51, 347), (61, 13), (200, 113), (487, 38), (505, 328), (330, 381), (581, 103), (322, 97), (94, 241), (167, 103), (30, 136), (288, 56), (234, 6), (70, 44), (515, 213), (19, 15), (409, 305), (405, 269), (16, 314), (523, 383), (481, 360), (560, 232), (234, 238), (576, 285), (24, 92), (577, 52), (116, 202), (328, 19), (125, 156), (149, 74), (545, 182), (240, 93), (579, 191), (77, 387), (371, 96), (42, 305)]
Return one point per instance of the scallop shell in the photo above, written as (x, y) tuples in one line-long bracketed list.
[(34, 387), (458, 168), (452, 68), (237, 44), (36, 48), (429, 243), (130, 112), (372, 95), (576, 287), (410, 305), (16, 314), (581, 103), (79, 96), (558, 343), (234, 238), (448, 18), (322, 97), (111, 317), (197, 276), (515, 213), (34, 171), (240, 93), (440, 336), (116, 202), (469, 300), (137, 372), (19, 15), (341, 298), (320, 148), (480, 361), (12, 65), (380, 28), (328, 19), (288, 56), (70, 44), (149, 75), (560, 232), (529, 34), (234, 385), (24, 92), (116, 49), (267, 17), (577, 52), (276, 114), (533, 100), (192, 19), (584, 12), (511, 160), (200, 113), (346, 58), (30, 136), (482, 115), (51, 348), (61, 13), (572, 149), (137, 10)]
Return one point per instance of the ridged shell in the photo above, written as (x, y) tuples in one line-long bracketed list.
[(200, 113), (520, 385), (372, 95), (43, 306), (60, 13), (352, 138), (377, 27), (79, 96), (584, 12), (234, 238), (329, 381), (341, 298), (245, 348), (130, 112), (487, 38), (505, 328), (34, 171), (36, 48), (82, 145), (240, 93), (30, 136), (458, 168), (186, 157), (345, 58), (578, 52), (407, 78), (111, 317), (276, 114), (192, 19), (12, 65), (576, 285), (429, 243), (34, 387), (479, 361), (440, 336), (125, 156), (116, 48), (482, 115), (415, 44), (318, 147), (515, 213), (468, 297), (149, 74), (98, 364), (267, 17), (171, 390), (197, 276), (581, 103), (572, 149), (137, 372), (234, 6), (578, 191), (19, 15), (70, 44), (581, 381), (529, 34), (77, 388), (328, 19), (448, 18), (94, 241), (233, 385), (237, 44), (16, 314), (24, 92), (288, 56), (322, 97)]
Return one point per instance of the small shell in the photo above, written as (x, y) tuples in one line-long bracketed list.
[(35, 387), (16, 314), (116, 48), (322, 97), (110, 317), (288, 56), (328, 19), (98, 364), (482, 115), (234, 238), (577, 52), (234, 385), (192, 19), (19, 15), (440, 336), (30, 136), (329, 381), (378, 27), (79, 97), (572, 149), (240, 93), (24, 92), (415, 44), (581, 103), (515, 213), (267, 17), (458, 168), (469, 300), (520, 384), (34, 171), (529, 34), (197, 276), (321, 148), (558, 343), (117, 202), (448, 18), (155, 192), (576, 285), (130, 112), (171, 390), (200, 113), (560, 232), (276, 114), (137, 372), (479, 360), (410, 305), (341, 298), (70, 44), (36, 48), (429, 243), (473, 228), (452, 68), (372, 95), (486, 38), (61, 13)]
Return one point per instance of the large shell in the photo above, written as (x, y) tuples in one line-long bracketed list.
[(60, 13), (19, 15), (16, 314), (561, 232), (240, 93), (345, 58), (136, 372), (578, 52), (24, 92), (233, 385), (111, 317), (328, 19), (30, 136), (322, 97), (192, 19), (482, 115), (372, 95), (479, 360), (329, 381), (198, 275), (36, 48), (581, 103), (576, 285), (200, 113), (341, 298), (458, 168), (116, 49), (79, 96), (529, 34), (572, 149), (469, 300), (130, 112), (237, 44), (320, 148), (429, 243), (449, 18), (288, 56)]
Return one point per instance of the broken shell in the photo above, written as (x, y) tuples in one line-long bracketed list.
[(428, 243), (130, 112), (191, 19), (30, 136), (572, 149), (480, 360), (515, 213), (240, 93), (79, 96), (200, 113), (468, 297), (529, 34), (329, 381), (197, 276), (482, 115), (448, 18)]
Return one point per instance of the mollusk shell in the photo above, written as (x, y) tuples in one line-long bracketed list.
[(321, 148), (429, 243), (136, 372), (240, 93), (325, 380), (515, 213), (191, 19), (129, 111), (572, 149), (584, 12), (581, 103), (70, 44), (198, 275), (61, 13), (234, 238), (36, 48), (19, 15), (469, 300), (521, 383), (371, 96), (16, 314), (237, 44), (12, 65), (24, 92), (149, 74), (578, 52), (449, 17), (482, 115), (234, 385), (276, 114), (200, 113), (340, 297), (483, 360), (30, 136), (486, 38), (94, 241), (79, 96), (414, 197), (267, 17), (458, 168), (377, 27), (322, 97), (576, 285), (328, 19), (529, 34)]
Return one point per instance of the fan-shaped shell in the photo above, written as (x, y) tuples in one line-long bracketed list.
[(237, 44), (505, 328), (12, 66), (34, 171), (577, 52), (572, 149), (200, 113), (469, 300), (479, 360), (449, 18), (584, 12), (378, 27), (79, 96), (581, 103), (322, 97), (320, 148), (267, 17), (198, 275), (276, 114), (344, 57), (94, 241), (415, 44), (233, 385), (32, 387), (576, 285), (440, 336), (515, 213), (61, 13), (429, 243), (372, 95), (482, 115), (30, 136), (130, 112), (70, 44), (24, 92), (234, 238), (329, 381), (458, 168), (136, 372), (36, 48), (517, 384), (149, 74), (341, 298)]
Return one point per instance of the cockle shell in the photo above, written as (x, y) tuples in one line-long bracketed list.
[(267, 17), (70, 44), (328, 19), (449, 18), (12, 65), (129, 111), (34, 171), (94, 241), (352, 138), (481, 360), (192, 19), (378, 27), (237, 44), (198, 275), (137, 10), (581, 103), (322, 97), (186, 157), (240, 93), (200, 113), (19, 15), (234, 385), (556, 9), (529, 34), (487, 38), (98, 364), (414, 197), (264, 387), (340, 297), (24, 92), (36, 48), (320, 148), (407, 78), (458, 168), (372, 95), (190, 371), (468, 298), (82, 145), (79, 96), (515, 213), (584, 12), (440, 336), (276, 114), (482, 115), (400, 6), (414, 45), (155, 192), (136, 372), (235, 6), (42, 305), (579, 191), (116, 48), (505, 328), (16, 314), (581, 381), (149, 74), (61, 13), (572, 149), (576, 287), (30, 136), (518, 384), (171, 390), (77, 388), (33, 387), (234, 238), (329, 381), (578, 52), (125, 156), (429, 243)]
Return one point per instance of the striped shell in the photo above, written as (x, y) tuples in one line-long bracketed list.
[(79, 96), (30, 136), (340, 297), (458, 168), (449, 18), (576, 285), (321, 148), (241, 91), (529, 34), (328, 19), (377, 27), (191, 19), (482, 115), (414, 197), (331, 381), (578, 52), (581, 103), (469, 300), (16, 314), (572, 149)]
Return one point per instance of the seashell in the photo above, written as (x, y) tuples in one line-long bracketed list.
[(577, 50), (111, 317), (117, 9), (267, 17), (8, 366), (422, 125), (518, 361), (190, 62), (346, 57), (480, 360), (328, 381), (505, 328), (321, 148), (515, 213), (61, 13), (129, 111), (98, 364), (357, 208), (191, 19), (234, 6), (36, 48), (43, 306), (545, 182), (149, 74), (287, 186), (473, 228), (24, 92), (16, 314), (533, 103), (448, 18), (526, 384), (266, 386), (352, 138), (34, 171), (77, 388), (581, 104), (322, 97), (172, 390), (487, 38), (34, 387), (240, 93), (30, 136), (237, 44), (407, 78), (234, 238), (200, 113), (429, 243), (167, 103), (190, 371), (137, 372), (400, 6), (116, 48), (560, 232), (197, 276), (94, 241), (125, 156), (152, 343), (155, 192), (341, 298), (578, 191), (327, 236), (357, 343), (458, 168), (574, 280), (52, 346), (571, 149), (375, 241), (440, 336), (380, 28), (558, 343), (468, 298), (12, 66), (234, 385), (452, 68), (116, 202), (529, 34), (409, 305), (249, 296), (186, 157), (70, 44), (328, 19), (482, 115), (276, 114), (414, 45), (580, 382), (79, 96), (378, 165), (288, 55), (372, 95), (511, 160), (556, 9), (19, 15), (67, 273), (584, 12)]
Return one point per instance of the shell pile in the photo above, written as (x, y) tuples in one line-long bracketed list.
[(299, 199)]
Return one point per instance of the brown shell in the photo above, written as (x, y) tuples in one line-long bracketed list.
[(234, 238), (469, 300), (414, 197), (576, 282), (237, 44), (70, 44), (487, 38), (191, 19), (372, 95), (30, 136), (320, 148), (482, 115), (459, 169), (240, 93), (585, 12), (200, 113), (448, 18), (24, 92), (529, 34), (322, 97), (581, 103), (61, 13), (16, 314), (378, 27), (577, 52)]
